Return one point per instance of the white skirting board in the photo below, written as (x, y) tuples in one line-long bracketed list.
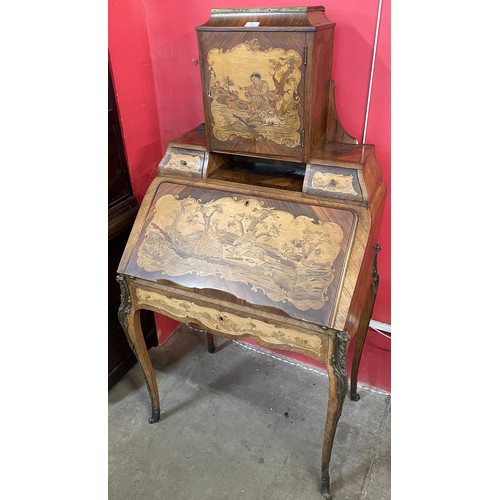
[(377, 325)]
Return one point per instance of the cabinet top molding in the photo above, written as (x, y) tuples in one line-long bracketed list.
[(298, 18), (270, 9)]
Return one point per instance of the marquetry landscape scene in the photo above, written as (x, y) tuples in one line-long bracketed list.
[(288, 258), (254, 93)]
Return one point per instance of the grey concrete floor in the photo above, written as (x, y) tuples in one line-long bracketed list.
[(241, 424)]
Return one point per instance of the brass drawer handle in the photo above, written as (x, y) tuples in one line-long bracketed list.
[(183, 163)]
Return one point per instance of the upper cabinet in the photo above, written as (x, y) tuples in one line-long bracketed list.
[(266, 80)]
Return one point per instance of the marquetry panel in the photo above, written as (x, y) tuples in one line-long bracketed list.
[(231, 323), (335, 182), (283, 255), (184, 162), (253, 85)]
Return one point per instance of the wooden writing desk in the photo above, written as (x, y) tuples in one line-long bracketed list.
[(250, 233)]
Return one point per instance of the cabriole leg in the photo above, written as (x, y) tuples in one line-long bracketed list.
[(337, 376), (130, 320), (364, 323), (358, 348)]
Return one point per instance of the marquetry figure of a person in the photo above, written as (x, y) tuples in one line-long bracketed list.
[(259, 95)]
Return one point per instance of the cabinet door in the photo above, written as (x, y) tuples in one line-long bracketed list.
[(253, 91)]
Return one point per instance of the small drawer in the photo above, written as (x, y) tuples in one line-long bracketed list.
[(333, 181), (184, 162)]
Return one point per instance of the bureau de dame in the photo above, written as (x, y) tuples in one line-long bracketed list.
[(262, 222)]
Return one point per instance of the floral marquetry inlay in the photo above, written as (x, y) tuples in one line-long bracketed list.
[(229, 323), (334, 183), (189, 163), (288, 258), (254, 93)]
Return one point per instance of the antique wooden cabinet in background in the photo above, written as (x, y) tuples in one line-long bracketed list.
[(262, 222), (122, 210)]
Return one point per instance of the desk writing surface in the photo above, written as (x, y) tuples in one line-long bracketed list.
[(283, 255)]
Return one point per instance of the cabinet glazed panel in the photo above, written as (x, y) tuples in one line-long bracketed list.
[(284, 255), (253, 86)]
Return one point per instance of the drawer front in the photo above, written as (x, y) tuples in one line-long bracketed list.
[(334, 182), (231, 323), (279, 255), (184, 162)]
